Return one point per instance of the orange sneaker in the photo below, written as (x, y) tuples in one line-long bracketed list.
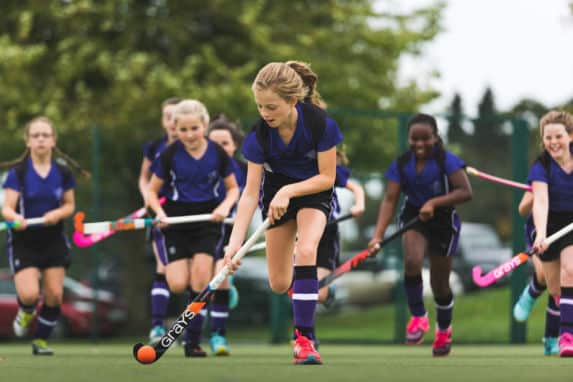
[(442, 342), (415, 330), (304, 351)]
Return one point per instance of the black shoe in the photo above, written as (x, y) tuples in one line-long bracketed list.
[(194, 351), (40, 347)]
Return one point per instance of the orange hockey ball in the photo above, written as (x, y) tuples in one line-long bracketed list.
[(146, 354)]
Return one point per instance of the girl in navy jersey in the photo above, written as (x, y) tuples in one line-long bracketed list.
[(228, 135), (328, 255), (194, 167), (537, 286), (294, 144), (433, 181), (38, 186), (159, 289), (551, 177)]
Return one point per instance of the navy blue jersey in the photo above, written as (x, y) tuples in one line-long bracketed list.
[(429, 183), (298, 159), (39, 195), (559, 184), (342, 175), (151, 151), (240, 171), (192, 180)]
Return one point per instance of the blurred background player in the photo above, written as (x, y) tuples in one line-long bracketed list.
[(551, 177), (433, 181), (536, 287), (194, 167), (228, 135), (159, 288), (38, 186)]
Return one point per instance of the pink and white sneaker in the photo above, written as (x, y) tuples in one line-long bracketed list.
[(304, 351), (415, 330), (566, 345), (442, 342)]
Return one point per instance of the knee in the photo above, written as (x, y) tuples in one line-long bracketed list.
[(53, 296), (566, 273), (279, 286), (177, 286), (305, 254)]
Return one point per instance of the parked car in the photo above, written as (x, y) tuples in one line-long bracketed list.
[(77, 309), (479, 245)]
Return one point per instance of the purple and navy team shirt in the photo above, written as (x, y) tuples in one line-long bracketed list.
[(429, 183), (40, 194), (342, 175), (559, 184), (297, 159), (152, 152), (194, 180)]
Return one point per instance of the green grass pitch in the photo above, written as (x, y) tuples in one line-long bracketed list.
[(113, 362)]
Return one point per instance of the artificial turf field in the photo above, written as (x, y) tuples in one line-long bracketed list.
[(113, 362)]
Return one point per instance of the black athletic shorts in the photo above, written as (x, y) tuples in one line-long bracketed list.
[(556, 221), (442, 232), (34, 248), (328, 253), (273, 183), (182, 241)]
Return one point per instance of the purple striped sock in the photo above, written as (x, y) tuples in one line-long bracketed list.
[(535, 289), (305, 299), (219, 311), (159, 300), (444, 310), (552, 318), (566, 307), (193, 332), (47, 320)]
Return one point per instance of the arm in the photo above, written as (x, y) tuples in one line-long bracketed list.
[(323, 181), (9, 208), (144, 175), (246, 208), (526, 204), (223, 209), (540, 212), (64, 211), (359, 199), (385, 213), (461, 192)]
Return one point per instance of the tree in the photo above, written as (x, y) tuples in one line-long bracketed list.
[(455, 118), (109, 64)]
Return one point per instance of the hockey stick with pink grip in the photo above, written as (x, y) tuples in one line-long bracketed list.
[(496, 179), (502, 270), (84, 241)]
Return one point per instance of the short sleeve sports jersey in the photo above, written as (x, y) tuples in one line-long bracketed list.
[(192, 180), (559, 184), (342, 175), (298, 158), (151, 151), (240, 171), (39, 195), (429, 183)]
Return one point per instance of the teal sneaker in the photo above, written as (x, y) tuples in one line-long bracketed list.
[(233, 294), (156, 333), (40, 347), (550, 345), (219, 345), (523, 306)]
